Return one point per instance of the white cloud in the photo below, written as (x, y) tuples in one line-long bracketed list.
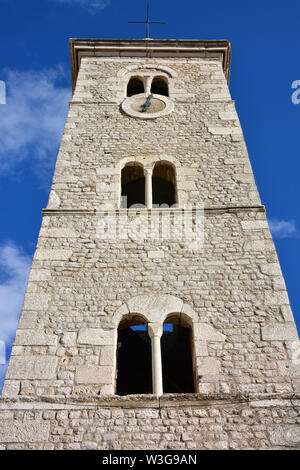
[(93, 6), (14, 269), (283, 228), (32, 120)]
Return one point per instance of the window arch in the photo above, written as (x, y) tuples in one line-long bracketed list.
[(135, 86), (132, 185), (164, 185), (133, 357), (159, 86), (176, 353)]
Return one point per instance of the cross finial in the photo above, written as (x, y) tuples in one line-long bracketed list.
[(147, 22)]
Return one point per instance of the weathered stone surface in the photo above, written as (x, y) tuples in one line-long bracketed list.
[(205, 332), (279, 332), (36, 302), (286, 436), (96, 336), (32, 367), (34, 338), (53, 254), (30, 431), (90, 374), (208, 366)]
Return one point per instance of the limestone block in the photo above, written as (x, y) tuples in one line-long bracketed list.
[(69, 338), (205, 332), (29, 337), (30, 431), (54, 201), (200, 348), (279, 332), (272, 269), (91, 374), (155, 307), (254, 224), (108, 171), (228, 115), (96, 336), (282, 435), (287, 313), (206, 388), (27, 320), (32, 367), (39, 275), (36, 301), (156, 254), (107, 355), (53, 255), (106, 188), (11, 388), (58, 232), (276, 298), (208, 366)]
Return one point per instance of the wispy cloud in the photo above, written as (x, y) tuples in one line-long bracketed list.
[(283, 228), (32, 120), (14, 270), (92, 6)]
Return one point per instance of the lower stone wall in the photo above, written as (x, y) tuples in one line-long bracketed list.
[(146, 422)]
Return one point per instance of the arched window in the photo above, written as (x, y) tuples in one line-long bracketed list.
[(135, 86), (159, 86), (164, 184), (176, 352), (133, 185), (133, 357)]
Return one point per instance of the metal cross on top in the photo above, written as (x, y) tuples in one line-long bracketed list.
[(147, 22)]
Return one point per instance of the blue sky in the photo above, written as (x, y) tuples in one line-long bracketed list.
[(35, 67)]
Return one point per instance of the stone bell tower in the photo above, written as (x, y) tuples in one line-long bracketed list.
[(156, 315)]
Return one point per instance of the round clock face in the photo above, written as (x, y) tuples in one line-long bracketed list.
[(146, 106)]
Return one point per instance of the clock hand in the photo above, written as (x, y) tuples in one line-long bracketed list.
[(147, 103)]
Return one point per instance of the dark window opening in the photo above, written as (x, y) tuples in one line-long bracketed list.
[(135, 86), (133, 186), (134, 369), (177, 367), (159, 86), (163, 185)]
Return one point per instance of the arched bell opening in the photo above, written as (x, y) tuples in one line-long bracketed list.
[(176, 352), (135, 86), (164, 185), (159, 86), (134, 368), (132, 186)]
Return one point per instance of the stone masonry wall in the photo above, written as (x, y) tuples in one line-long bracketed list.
[(174, 422)]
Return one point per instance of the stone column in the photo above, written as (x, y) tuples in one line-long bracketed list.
[(147, 83), (148, 187), (155, 331)]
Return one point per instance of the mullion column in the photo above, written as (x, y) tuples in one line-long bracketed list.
[(155, 332)]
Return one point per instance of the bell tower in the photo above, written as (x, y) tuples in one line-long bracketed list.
[(155, 294)]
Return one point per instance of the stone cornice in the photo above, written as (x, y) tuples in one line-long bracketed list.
[(152, 48), (218, 210), (147, 401)]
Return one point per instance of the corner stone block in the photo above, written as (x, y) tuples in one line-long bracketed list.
[(32, 367), (280, 332), (36, 301), (90, 374), (205, 332), (96, 336), (30, 431), (52, 255), (34, 338)]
